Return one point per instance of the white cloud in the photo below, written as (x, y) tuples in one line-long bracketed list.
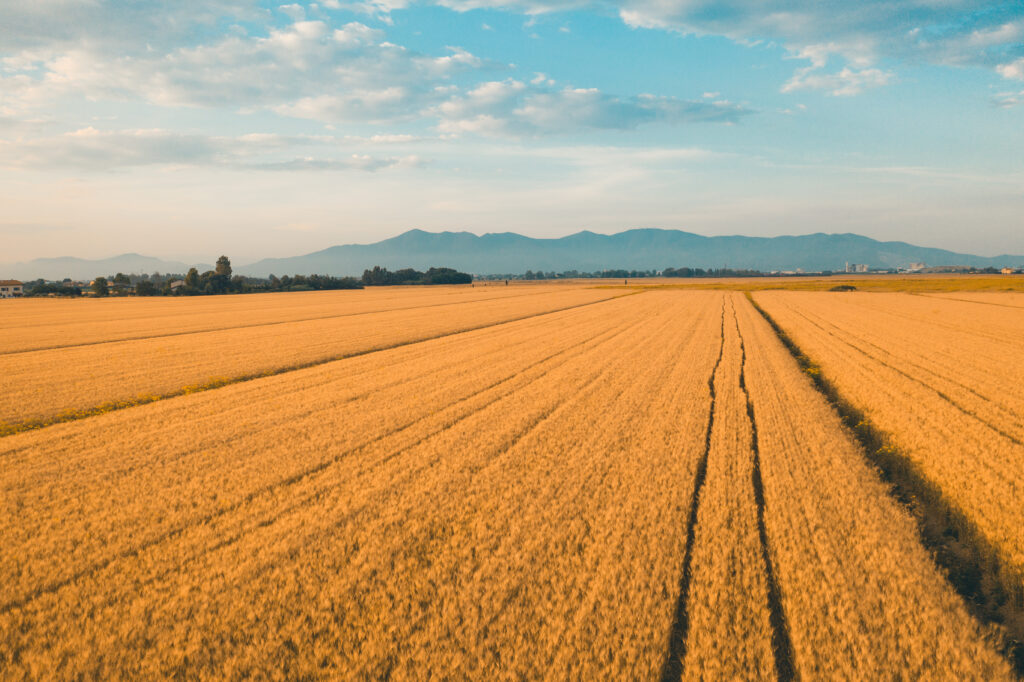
[(305, 70), (1012, 70), (843, 83), (295, 11)]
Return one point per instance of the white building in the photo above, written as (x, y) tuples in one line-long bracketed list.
[(11, 288)]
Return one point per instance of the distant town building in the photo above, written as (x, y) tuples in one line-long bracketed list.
[(177, 284), (917, 266), (11, 288), (856, 267), (1007, 271)]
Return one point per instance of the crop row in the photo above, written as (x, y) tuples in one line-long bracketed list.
[(936, 376), (59, 384)]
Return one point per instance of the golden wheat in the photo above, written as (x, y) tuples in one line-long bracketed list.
[(462, 506), (861, 597), (730, 636), (509, 502), (58, 383), (938, 376), (43, 323)]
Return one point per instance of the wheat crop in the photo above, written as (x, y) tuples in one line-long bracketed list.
[(462, 506), (576, 485), (45, 323), (940, 378), (861, 597), (63, 383)]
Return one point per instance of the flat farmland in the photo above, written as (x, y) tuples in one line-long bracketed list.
[(105, 371), (533, 483)]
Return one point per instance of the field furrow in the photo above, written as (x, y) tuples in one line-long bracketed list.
[(498, 537), (64, 383)]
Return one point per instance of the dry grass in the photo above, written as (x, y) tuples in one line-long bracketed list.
[(60, 384)]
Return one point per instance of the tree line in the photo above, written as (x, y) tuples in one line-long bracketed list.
[(379, 276), (629, 274), (222, 280)]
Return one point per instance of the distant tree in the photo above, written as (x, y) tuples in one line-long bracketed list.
[(274, 282), (145, 288), (223, 267), (99, 286), (121, 278), (377, 276), (446, 276), (192, 279)]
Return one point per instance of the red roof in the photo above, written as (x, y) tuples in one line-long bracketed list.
[(10, 283)]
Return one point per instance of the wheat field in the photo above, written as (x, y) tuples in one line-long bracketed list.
[(548, 482), (58, 383)]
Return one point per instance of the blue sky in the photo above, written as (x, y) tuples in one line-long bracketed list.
[(262, 129)]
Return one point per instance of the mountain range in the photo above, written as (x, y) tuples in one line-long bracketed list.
[(507, 252), (644, 249)]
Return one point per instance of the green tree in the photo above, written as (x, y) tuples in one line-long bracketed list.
[(121, 278), (145, 288), (99, 286), (223, 267), (192, 279)]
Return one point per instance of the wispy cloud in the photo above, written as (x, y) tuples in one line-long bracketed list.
[(858, 34), (513, 107), (842, 83), (95, 150)]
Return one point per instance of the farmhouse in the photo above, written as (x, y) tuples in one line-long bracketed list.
[(11, 288), (1007, 271)]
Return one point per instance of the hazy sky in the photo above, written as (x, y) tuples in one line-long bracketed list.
[(192, 128)]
